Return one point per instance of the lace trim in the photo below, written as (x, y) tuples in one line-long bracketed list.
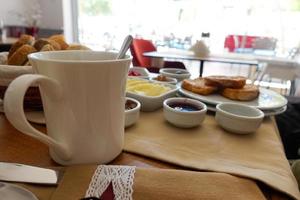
[(121, 178)]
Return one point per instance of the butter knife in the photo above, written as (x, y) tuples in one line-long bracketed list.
[(14, 172)]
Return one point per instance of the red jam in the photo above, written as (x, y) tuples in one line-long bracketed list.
[(184, 107), (134, 73)]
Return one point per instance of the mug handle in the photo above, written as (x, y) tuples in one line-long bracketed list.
[(14, 111)]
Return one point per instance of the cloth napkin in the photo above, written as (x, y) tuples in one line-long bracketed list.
[(161, 184), (258, 156)]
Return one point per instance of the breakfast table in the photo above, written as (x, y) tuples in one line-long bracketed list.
[(163, 168), (188, 55)]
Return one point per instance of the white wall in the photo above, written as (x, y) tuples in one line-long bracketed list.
[(52, 14), (8, 7), (51, 11)]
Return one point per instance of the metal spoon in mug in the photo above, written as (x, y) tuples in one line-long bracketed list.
[(125, 46)]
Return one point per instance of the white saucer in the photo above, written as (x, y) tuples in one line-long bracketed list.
[(269, 112), (13, 192), (267, 99)]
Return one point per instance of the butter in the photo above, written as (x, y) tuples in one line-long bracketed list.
[(146, 88)]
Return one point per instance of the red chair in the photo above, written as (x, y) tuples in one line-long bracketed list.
[(233, 42), (140, 46)]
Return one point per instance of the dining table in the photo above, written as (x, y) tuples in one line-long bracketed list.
[(16, 147), (230, 58), (276, 66)]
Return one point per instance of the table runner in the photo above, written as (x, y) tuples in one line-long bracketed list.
[(258, 156)]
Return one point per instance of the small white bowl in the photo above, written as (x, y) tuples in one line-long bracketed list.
[(169, 80), (179, 74), (132, 115), (144, 73), (184, 119), (238, 118)]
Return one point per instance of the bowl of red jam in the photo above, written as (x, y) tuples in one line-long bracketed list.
[(139, 72), (184, 112), (132, 111)]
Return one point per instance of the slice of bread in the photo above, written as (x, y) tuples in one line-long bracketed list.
[(198, 86), (225, 81), (247, 93)]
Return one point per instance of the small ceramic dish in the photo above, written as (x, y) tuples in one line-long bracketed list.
[(164, 79), (12, 191), (184, 112), (179, 74), (238, 118), (151, 103), (132, 111), (140, 72)]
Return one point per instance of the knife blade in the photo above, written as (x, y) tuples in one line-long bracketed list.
[(15, 172)]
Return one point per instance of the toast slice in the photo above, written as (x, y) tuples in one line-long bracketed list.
[(225, 81), (247, 93), (198, 86)]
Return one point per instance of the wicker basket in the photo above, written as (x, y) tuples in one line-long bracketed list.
[(8, 73), (32, 100)]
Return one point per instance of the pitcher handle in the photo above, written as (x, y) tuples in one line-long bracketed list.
[(14, 111)]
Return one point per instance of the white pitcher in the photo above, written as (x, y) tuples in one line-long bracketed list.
[(83, 94)]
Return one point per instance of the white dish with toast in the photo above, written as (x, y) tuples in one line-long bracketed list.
[(231, 89), (266, 100)]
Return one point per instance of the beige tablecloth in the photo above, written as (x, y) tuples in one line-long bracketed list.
[(259, 156)]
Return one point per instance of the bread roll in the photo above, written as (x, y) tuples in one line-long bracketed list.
[(40, 43), (247, 93), (198, 86), (19, 57), (55, 45), (225, 81), (48, 47), (60, 39), (24, 39)]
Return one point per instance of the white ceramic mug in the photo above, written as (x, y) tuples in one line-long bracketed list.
[(83, 94)]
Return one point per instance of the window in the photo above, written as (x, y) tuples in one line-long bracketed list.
[(102, 24)]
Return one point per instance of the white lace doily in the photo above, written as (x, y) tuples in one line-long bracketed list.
[(121, 178)]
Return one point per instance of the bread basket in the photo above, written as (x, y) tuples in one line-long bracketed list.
[(8, 73)]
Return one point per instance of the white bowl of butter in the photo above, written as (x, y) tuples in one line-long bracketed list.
[(150, 94)]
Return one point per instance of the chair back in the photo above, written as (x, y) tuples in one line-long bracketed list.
[(137, 48), (265, 43)]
